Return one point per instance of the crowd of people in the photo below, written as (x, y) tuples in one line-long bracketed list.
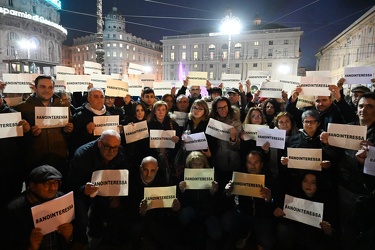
[(44, 163)]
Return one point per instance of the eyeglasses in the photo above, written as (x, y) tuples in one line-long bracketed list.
[(194, 89), (109, 148), (311, 122), (197, 108), (50, 183), (221, 108), (256, 116)]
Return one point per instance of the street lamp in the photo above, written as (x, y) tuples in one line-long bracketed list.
[(27, 44), (230, 25)]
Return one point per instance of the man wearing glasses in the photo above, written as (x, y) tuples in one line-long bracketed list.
[(43, 184), (195, 92), (102, 154)]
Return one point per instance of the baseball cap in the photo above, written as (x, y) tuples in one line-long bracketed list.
[(233, 90), (44, 173), (360, 88)]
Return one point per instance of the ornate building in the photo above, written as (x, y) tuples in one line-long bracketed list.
[(121, 48), (355, 46), (268, 47), (31, 37)]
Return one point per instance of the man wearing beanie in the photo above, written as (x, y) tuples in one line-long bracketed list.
[(19, 231)]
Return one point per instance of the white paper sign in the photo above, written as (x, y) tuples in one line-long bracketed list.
[(199, 178), (247, 184), (100, 81), (271, 89), (290, 82), (136, 131), (76, 83), (369, 167), (60, 85), (147, 80), (304, 211), (231, 80), (305, 158), (18, 83), (196, 141), (218, 129), (275, 137), (256, 77), (135, 69), (197, 78), (92, 68), (9, 125), (135, 87), (63, 70), (346, 136), (116, 88), (181, 118), (159, 197), (358, 75), (51, 117), (162, 138), (251, 131), (104, 122), (305, 101), (51, 214), (162, 88), (315, 86), (114, 182), (323, 73)]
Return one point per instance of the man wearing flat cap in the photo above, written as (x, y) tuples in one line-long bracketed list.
[(237, 98), (19, 231)]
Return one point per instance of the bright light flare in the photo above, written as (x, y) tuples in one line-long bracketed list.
[(230, 25)]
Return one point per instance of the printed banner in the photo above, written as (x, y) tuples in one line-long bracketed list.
[(76, 83), (218, 129), (63, 70), (162, 88), (247, 184), (159, 197), (100, 81), (135, 69), (105, 122), (196, 141), (256, 77), (114, 182), (92, 68), (135, 87), (315, 86), (305, 158), (251, 131), (271, 89), (116, 88), (51, 214), (369, 167), (136, 131), (162, 138), (275, 137), (197, 78), (199, 178), (358, 75), (18, 83), (304, 211), (147, 80), (346, 136), (181, 118), (231, 80), (305, 101), (51, 117), (290, 82), (9, 125)]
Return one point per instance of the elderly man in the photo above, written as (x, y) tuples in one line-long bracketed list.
[(105, 153), (195, 92), (19, 232), (48, 145), (83, 120)]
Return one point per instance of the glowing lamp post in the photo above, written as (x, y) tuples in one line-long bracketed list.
[(27, 44), (230, 25)]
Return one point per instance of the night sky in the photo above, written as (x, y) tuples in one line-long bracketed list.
[(320, 20)]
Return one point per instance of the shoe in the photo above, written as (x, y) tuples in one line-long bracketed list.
[(241, 243)]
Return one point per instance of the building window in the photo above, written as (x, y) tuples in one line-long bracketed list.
[(269, 65), (211, 66), (172, 56), (270, 42), (114, 36), (120, 45), (256, 43), (108, 54), (172, 47), (195, 55), (172, 66), (195, 66), (133, 57), (256, 53), (127, 47), (10, 2), (237, 65), (183, 56), (87, 47), (223, 65), (133, 48), (237, 54), (270, 52), (285, 52), (195, 46), (286, 41), (212, 55), (211, 75), (120, 35), (114, 54), (183, 46), (255, 65), (114, 45), (108, 45), (78, 49)]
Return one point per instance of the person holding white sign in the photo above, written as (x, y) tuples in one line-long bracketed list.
[(42, 185), (105, 153), (148, 98), (48, 145), (158, 225), (109, 102), (198, 205), (271, 108), (159, 119), (297, 235), (227, 159), (352, 181), (237, 98), (195, 91), (328, 112), (252, 214)]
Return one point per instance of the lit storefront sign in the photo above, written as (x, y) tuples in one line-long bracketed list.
[(36, 18)]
